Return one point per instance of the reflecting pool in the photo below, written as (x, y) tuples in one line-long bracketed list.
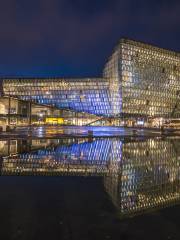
[(137, 174)]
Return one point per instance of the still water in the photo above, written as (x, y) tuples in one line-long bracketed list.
[(138, 175)]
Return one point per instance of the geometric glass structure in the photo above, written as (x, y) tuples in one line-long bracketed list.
[(138, 80), (144, 80)]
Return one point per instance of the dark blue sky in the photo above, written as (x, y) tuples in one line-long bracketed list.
[(75, 37)]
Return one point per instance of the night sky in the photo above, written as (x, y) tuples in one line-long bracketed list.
[(71, 38)]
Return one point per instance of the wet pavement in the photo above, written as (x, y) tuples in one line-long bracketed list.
[(78, 131)]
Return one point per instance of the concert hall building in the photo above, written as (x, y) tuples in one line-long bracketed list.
[(139, 81)]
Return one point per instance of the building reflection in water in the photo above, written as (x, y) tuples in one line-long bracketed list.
[(138, 175), (147, 177)]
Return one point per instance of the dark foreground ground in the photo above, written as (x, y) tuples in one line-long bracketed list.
[(74, 208)]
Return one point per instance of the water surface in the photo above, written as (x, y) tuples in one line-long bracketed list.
[(111, 186)]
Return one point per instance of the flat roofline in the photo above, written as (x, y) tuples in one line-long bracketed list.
[(144, 44), (124, 39), (51, 78)]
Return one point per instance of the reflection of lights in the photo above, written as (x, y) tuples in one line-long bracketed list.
[(140, 122), (129, 180), (40, 129)]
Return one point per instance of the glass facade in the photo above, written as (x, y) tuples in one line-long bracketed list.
[(138, 80), (144, 80), (18, 112), (81, 95)]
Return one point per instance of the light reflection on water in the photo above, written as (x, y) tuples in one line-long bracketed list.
[(49, 131), (138, 175)]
